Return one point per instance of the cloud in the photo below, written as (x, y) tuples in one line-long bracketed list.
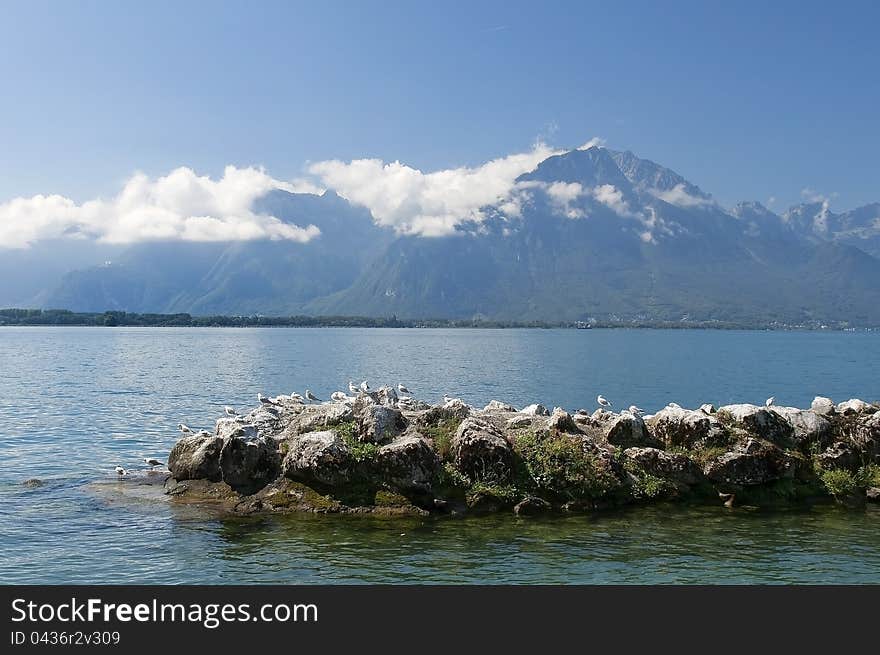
[(563, 194), (679, 197), (430, 204), (595, 141), (179, 206)]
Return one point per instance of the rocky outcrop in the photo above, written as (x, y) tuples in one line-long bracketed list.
[(408, 463), (481, 452), (378, 423), (562, 421), (675, 426), (854, 406), (535, 410), (822, 405), (675, 467), (807, 426), (758, 421), (196, 458), (498, 406), (751, 462), (321, 457), (248, 466)]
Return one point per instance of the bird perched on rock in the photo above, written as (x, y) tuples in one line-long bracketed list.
[(184, 428), (152, 461), (638, 411), (402, 389), (120, 471), (297, 398), (230, 411), (352, 388), (769, 402), (447, 399), (338, 396), (365, 387), (311, 396), (604, 402)]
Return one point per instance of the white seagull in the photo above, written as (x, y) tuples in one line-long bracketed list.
[(603, 401), (184, 428), (312, 396), (338, 396), (120, 471), (364, 386), (447, 399), (638, 411), (352, 388), (297, 398), (230, 411), (152, 461), (769, 402), (402, 389)]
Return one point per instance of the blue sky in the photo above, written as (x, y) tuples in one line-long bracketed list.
[(748, 100)]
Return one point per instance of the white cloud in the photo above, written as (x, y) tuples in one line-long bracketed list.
[(178, 206), (563, 194), (429, 204), (595, 141), (679, 197), (612, 197)]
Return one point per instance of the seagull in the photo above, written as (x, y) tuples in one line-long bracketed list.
[(297, 398), (120, 471), (352, 388), (638, 411), (364, 386), (603, 402), (184, 428), (447, 399), (338, 396), (152, 461), (312, 396), (402, 389), (769, 402), (230, 411)]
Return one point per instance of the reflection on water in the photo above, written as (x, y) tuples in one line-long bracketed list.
[(76, 402)]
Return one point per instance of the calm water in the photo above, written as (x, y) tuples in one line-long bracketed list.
[(75, 402)]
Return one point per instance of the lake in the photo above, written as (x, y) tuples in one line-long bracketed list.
[(76, 402)]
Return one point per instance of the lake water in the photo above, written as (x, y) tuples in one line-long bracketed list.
[(75, 402)]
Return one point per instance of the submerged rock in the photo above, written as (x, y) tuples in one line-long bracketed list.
[(196, 458)]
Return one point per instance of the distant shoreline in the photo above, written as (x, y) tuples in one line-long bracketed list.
[(60, 317)]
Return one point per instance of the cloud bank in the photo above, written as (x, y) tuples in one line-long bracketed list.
[(178, 206)]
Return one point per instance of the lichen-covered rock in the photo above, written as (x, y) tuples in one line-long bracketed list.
[(454, 409), (379, 424), (408, 463), (321, 457), (707, 408), (839, 456), (809, 427), (536, 409), (226, 428), (498, 406), (481, 452), (562, 421), (758, 420), (675, 426), (626, 430), (752, 462), (518, 422), (319, 417), (196, 458), (675, 467), (248, 466), (854, 406), (531, 506), (387, 396), (822, 405)]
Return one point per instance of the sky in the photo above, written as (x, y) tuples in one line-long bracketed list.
[(102, 101)]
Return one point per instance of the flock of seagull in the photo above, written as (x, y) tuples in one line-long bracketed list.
[(340, 396)]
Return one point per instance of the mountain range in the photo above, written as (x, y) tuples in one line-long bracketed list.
[(590, 234)]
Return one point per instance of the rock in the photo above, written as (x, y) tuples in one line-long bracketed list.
[(378, 423), (196, 458), (321, 457), (227, 428), (678, 427), (839, 456), (481, 452), (535, 410), (625, 430), (518, 422), (809, 427), (822, 405), (319, 417), (408, 463), (530, 506), (454, 409), (33, 483), (387, 396), (873, 494), (865, 436), (854, 406), (669, 466), (248, 466), (498, 406), (707, 408), (561, 420), (751, 462), (759, 421)]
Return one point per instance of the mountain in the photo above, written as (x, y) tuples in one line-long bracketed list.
[(588, 234)]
